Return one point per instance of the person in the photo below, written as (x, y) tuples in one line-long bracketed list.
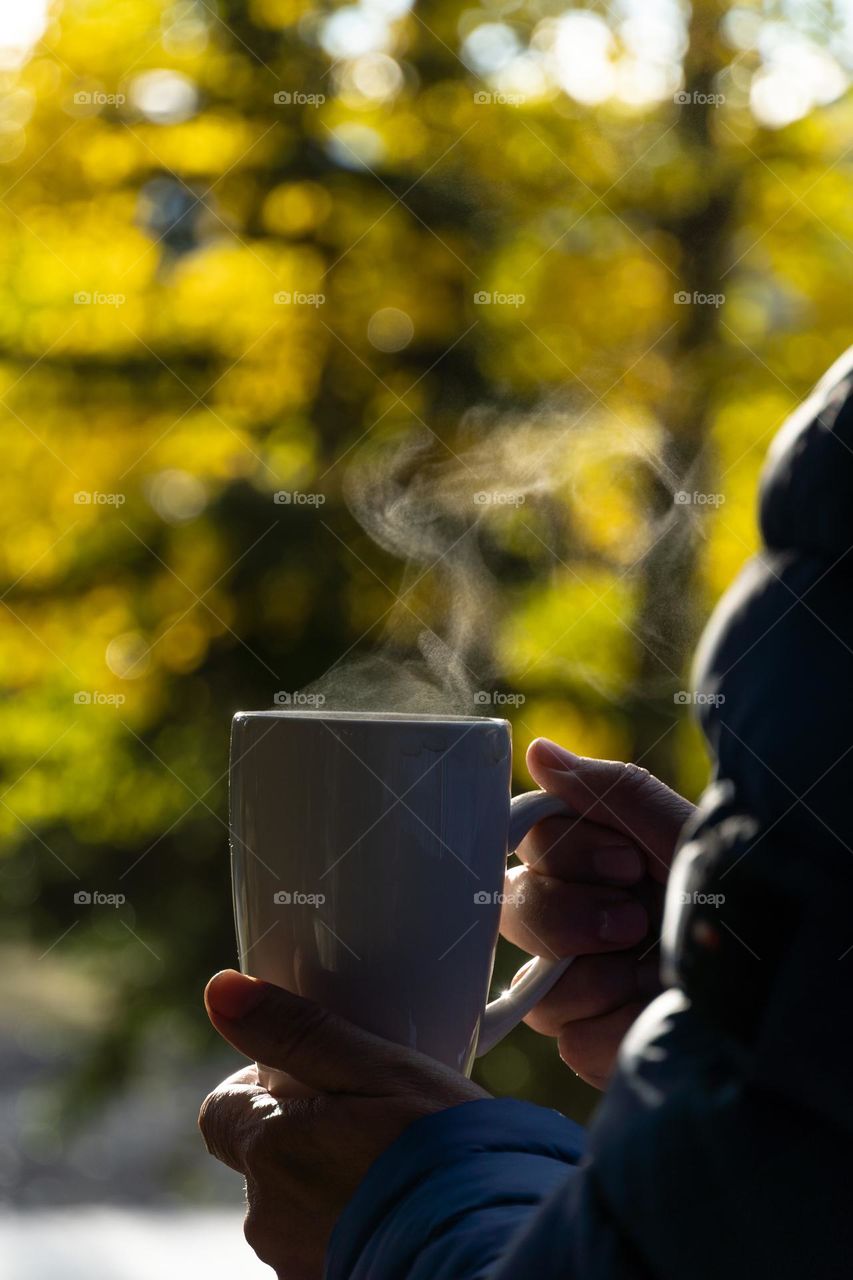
[(724, 1139)]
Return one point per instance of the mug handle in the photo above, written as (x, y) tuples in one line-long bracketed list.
[(505, 1012)]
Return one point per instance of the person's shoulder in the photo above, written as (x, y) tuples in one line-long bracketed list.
[(807, 483)]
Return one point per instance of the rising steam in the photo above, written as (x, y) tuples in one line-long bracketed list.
[(508, 493)]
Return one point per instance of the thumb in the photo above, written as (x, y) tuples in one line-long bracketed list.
[(621, 796), (297, 1036)]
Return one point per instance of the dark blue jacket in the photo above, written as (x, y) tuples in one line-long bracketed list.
[(724, 1146)]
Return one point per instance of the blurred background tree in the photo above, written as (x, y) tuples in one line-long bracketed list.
[(584, 260)]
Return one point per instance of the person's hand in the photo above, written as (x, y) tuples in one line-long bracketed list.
[(592, 887), (303, 1157)]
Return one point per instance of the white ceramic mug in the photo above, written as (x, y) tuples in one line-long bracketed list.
[(368, 854)]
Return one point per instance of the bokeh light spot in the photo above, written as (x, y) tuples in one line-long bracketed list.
[(176, 495), (390, 329), (166, 97), (127, 655)]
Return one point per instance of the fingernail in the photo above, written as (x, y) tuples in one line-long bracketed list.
[(553, 755), (232, 995), (618, 862), (623, 922)]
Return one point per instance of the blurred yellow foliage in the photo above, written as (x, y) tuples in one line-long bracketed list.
[(237, 256)]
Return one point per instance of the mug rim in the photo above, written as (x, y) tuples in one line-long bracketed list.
[(367, 717)]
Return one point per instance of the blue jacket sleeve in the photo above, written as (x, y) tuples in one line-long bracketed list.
[(688, 1170), (445, 1199)]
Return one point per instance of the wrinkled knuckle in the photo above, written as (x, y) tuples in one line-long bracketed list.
[(208, 1119), (217, 1130), (258, 1150), (636, 775), (637, 783), (262, 1234), (223, 1126), (399, 1088), (267, 1142)]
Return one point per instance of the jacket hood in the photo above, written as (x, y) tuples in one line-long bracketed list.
[(775, 664)]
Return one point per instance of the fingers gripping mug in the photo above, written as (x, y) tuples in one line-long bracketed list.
[(368, 854)]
